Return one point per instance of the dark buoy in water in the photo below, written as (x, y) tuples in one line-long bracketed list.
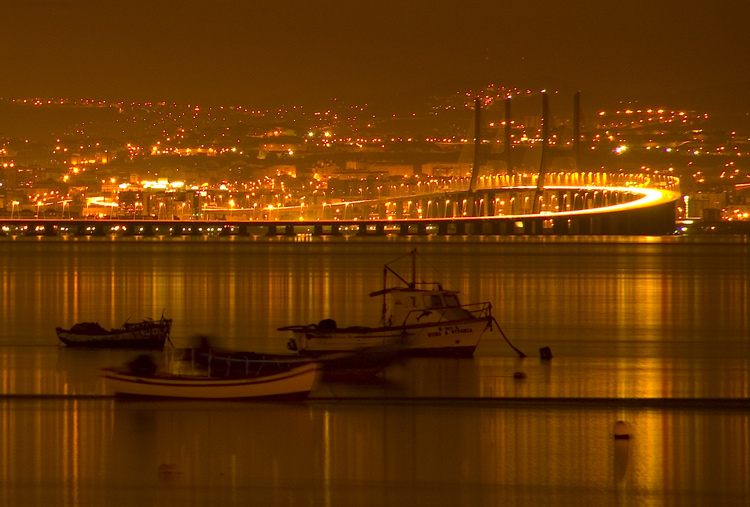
[(622, 430), (545, 353), (519, 374), (622, 449)]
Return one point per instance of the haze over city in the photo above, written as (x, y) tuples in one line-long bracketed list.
[(680, 54)]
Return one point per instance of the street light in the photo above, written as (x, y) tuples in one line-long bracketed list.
[(13, 207)]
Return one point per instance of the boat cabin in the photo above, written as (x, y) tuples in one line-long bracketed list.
[(409, 306)]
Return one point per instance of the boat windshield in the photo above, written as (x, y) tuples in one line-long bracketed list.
[(451, 300), (433, 301)]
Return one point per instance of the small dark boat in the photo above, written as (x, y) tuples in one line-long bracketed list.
[(148, 334), (226, 364), (345, 365), (349, 365)]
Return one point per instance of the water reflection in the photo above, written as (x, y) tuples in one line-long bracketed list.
[(631, 320), (107, 452)]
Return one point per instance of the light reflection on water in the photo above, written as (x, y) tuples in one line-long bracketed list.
[(629, 319), (107, 452)]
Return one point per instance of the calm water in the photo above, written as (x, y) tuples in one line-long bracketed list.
[(643, 322)]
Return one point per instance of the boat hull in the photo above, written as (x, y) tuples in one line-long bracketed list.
[(72, 340), (146, 335), (297, 383), (454, 338)]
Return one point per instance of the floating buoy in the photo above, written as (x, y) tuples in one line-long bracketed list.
[(622, 430), (167, 471), (545, 353), (519, 374)]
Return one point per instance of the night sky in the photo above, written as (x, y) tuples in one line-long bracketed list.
[(248, 52)]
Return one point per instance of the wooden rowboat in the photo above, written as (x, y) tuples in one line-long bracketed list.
[(140, 379)]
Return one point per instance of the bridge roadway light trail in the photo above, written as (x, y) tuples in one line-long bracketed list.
[(648, 196)]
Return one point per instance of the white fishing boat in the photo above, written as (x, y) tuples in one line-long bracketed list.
[(264, 378), (418, 318), (148, 334)]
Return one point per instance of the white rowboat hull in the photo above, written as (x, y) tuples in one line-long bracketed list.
[(296, 383)]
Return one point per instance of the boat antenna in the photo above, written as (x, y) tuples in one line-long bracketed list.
[(411, 285), (397, 275)]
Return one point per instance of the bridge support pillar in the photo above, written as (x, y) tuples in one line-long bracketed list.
[(404, 230), (317, 230), (362, 229), (379, 229), (289, 231), (460, 227), (496, 228), (381, 211), (489, 204), (581, 225), (533, 226), (528, 227), (447, 208), (560, 226), (271, 231), (601, 224)]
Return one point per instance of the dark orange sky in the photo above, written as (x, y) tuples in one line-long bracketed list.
[(240, 51)]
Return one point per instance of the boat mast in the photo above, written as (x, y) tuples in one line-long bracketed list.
[(413, 269), (385, 306)]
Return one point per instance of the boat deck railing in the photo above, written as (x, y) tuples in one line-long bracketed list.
[(192, 361), (477, 311)]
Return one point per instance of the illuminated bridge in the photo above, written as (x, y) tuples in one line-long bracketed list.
[(570, 203)]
